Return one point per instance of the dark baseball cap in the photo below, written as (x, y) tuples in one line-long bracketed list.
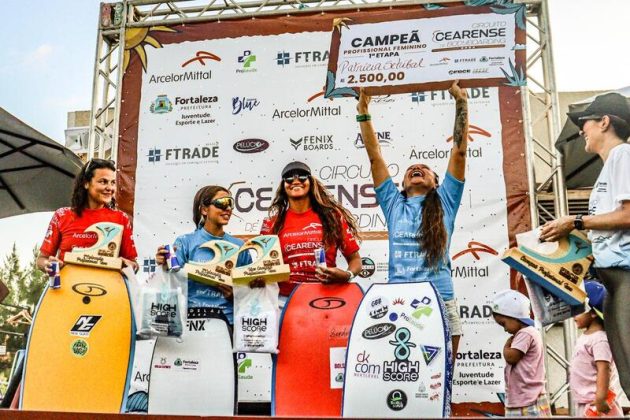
[(596, 293), (612, 104), (296, 167)]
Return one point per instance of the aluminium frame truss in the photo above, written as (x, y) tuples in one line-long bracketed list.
[(544, 162)]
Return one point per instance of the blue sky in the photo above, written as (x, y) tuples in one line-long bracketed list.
[(47, 51)]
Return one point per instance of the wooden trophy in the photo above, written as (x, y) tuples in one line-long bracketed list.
[(103, 254), (219, 269), (268, 264), (561, 272)]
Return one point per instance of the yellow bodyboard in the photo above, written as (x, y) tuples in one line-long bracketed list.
[(79, 348)]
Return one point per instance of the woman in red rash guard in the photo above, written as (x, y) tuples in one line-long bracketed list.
[(306, 216), (92, 202)]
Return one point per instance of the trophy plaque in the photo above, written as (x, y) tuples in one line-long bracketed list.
[(268, 264), (219, 269), (104, 253), (561, 272)]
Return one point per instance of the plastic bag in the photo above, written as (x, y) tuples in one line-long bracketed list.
[(548, 308), (256, 319), (163, 305)]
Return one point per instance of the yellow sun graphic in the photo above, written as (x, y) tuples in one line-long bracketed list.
[(137, 38)]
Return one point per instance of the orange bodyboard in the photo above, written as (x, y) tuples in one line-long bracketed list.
[(316, 319), (79, 348)]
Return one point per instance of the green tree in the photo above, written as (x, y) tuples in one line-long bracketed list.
[(25, 287)]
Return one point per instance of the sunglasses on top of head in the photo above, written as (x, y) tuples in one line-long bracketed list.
[(223, 203), (300, 177)]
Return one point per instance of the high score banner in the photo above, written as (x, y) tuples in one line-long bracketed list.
[(233, 109)]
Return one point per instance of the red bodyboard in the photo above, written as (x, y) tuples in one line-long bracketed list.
[(317, 317)]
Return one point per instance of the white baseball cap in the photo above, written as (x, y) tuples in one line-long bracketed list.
[(513, 304)]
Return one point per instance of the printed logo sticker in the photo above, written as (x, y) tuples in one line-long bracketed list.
[(84, 325), (378, 307), (377, 331), (396, 400), (421, 307), (327, 303), (80, 347), (429, 353)]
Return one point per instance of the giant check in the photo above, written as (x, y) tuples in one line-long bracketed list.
[(424, 50)]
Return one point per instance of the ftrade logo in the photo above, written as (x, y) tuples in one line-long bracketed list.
[(184, 155), (161, 105), (383, 137), (312, 143), (475, 248), (247, 61), (201, 57), (443, 96), (241, 104), (302, 58), (475, 311)]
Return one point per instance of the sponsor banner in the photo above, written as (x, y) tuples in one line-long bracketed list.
[(337, 366), (399, 356), (405, 54), (254, 376), (246, 125)]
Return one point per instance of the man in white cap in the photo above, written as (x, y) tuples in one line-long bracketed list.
[(524, 357), (605, 125)]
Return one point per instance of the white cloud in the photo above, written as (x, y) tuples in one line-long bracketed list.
[(39, 56)]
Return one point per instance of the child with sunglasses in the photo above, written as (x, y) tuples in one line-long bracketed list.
[(305, 216), (212, 210)]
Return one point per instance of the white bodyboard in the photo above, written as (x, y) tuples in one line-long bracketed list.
[(398, 362), (137, 397), (194, 375)]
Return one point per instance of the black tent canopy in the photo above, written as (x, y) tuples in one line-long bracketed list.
[(581, 169), (36, 172)]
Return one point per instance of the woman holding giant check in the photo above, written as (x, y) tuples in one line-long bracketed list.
[(421, 216)]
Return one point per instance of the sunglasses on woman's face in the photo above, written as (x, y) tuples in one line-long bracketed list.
[(223, 203), (300, 177)]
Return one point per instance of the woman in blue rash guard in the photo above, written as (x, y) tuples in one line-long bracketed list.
[(212, 210), (421, 217)]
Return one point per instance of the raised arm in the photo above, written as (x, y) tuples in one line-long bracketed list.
[(457, 161), (377, 163)]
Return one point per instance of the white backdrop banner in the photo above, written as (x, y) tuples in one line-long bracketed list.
[(233, 111)]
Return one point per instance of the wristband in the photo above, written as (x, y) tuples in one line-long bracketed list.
[(352, 275), (363, 117)]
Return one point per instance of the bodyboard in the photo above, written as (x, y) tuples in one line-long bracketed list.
[(398, 362), (194, 375), (80, 344), (138, 396), (314, 329)]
